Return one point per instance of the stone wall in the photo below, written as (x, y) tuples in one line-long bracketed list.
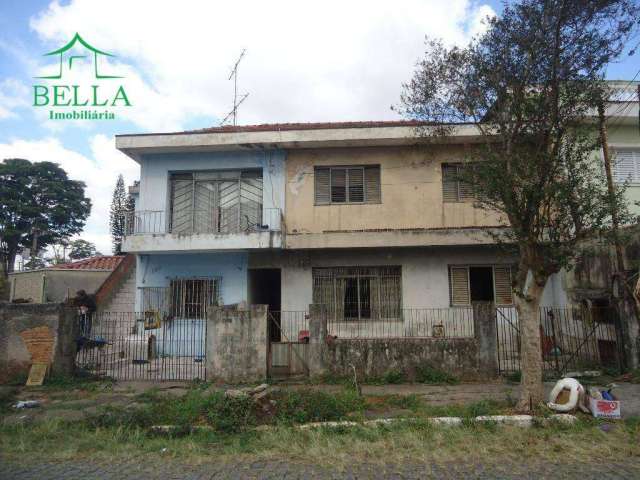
[(36, 333), (237, 344)]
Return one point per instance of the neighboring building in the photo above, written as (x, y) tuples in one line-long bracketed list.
[(365, 217), (58, 283)]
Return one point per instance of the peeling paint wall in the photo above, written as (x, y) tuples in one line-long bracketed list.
[(411, 185), (31, 333), (237, 344)]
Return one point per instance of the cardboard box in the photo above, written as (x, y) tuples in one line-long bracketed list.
[(604, 408)]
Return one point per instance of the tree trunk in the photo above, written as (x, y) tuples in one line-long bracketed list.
[(528, 307)]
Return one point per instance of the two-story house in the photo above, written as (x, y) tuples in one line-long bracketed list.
[(366, 218)]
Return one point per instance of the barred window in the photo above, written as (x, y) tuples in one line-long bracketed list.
[(453, 189), (359, 184), (490, 283), (183, 298), (358, 293)]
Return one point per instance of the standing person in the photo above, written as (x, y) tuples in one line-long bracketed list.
[(86, 306)]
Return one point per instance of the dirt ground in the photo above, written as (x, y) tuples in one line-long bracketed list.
[(75, 404)]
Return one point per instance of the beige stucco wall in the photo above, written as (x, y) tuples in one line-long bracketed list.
[(58, 285), (411, 185), (27, 285)]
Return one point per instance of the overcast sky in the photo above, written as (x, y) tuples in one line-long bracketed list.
[(305, 61)]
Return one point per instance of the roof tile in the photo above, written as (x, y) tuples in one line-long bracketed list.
[(105, 262)]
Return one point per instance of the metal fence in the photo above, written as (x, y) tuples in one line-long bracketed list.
[(142, 346), (214, 220), (572, 338), (454, 322)]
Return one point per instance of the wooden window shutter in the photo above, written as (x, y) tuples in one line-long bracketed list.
[(502, 280), (338, 185), (449, 183), (322, 192), (372, 184), (459, 285), (355, 178), (465, 190)]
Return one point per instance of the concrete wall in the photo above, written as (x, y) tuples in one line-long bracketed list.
[(237, 344), (43, 286), (36, 333), (27, 286), (158, 270), (469, 358), (411, 183)]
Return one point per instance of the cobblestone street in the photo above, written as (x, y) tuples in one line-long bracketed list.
[(510, 469)]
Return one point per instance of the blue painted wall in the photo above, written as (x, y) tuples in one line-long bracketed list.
[(158, 270)]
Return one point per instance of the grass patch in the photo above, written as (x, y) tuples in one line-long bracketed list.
[(401, 442), (427, 373), (230, 414)]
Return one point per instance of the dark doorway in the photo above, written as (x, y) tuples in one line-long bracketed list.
[(264, 289), (481, 284)]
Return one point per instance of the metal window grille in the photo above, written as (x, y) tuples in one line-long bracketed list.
[(216, 202), (359, 293), (184, 298)]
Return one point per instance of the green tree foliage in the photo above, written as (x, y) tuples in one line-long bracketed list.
[(531, 85), (118, 215), (37, 199), (80, 249)]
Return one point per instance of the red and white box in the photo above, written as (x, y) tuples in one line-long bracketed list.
[(604, 408)]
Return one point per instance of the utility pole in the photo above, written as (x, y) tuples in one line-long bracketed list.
[(236, 103), (610, 189)]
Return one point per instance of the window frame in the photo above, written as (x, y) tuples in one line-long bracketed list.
[(635, 179), (181, 308), (365, 191), (468, 266), (358, 273), (460, 198)]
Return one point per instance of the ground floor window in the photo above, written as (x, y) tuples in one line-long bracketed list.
[(359, 293), (480, 283), (183, 298)]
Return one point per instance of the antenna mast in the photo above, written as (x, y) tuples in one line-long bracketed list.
[(233, 114)]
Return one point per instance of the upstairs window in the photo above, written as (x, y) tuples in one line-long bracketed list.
[(626, 166), (454, 190), (347, 184)]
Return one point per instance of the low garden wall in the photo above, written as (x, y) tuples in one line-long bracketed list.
[(374, 358), (471, 357)]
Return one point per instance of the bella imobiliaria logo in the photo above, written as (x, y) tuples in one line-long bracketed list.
[(103, 92)]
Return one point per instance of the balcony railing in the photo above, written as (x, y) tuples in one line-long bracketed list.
[(216, 220)]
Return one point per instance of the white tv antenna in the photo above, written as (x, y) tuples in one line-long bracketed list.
[(233, 114)]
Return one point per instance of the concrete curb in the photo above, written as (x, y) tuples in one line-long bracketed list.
[(513, 420)]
